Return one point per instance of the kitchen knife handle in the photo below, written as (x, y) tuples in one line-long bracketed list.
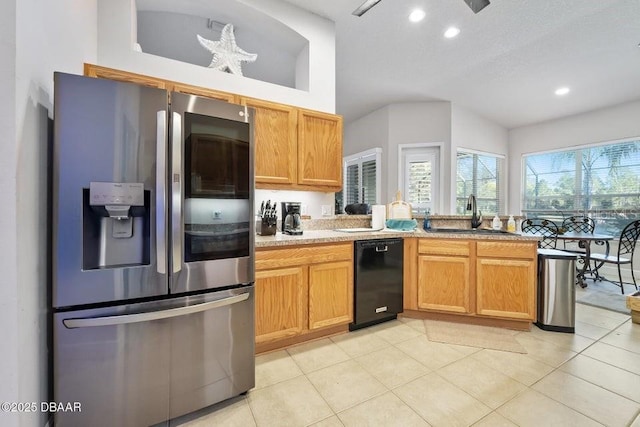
[(176, 192), (161, 191)]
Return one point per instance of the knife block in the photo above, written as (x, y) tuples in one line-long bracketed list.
[(267, 226)]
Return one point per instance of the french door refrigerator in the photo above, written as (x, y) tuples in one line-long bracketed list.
[(152, 282)]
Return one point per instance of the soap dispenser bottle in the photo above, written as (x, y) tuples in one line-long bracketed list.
[(511, 224), (497, 224)]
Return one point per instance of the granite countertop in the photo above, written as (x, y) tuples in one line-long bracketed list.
[(330, 236)]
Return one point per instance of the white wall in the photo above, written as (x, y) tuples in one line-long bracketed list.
[(442, 123), (471, 131), (370, 131), (609, 124), (116, 34), (48, 36), (419, 122), (395, 124), (311, 201), (9, 360)]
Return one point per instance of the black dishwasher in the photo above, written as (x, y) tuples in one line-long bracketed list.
[(378, 281)]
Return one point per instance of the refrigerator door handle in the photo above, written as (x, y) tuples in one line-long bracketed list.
[(91, 322), (176, 192), (161, 189)]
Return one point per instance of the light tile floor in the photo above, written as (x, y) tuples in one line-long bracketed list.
[(392, 375)]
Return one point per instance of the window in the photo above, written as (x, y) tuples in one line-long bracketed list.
[(361, 179), (421, 180), (419, 176), (479, 174), (601, 181)]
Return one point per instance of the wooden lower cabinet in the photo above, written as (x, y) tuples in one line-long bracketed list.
[(330, 294), (281, 303), (443, 283), (302, 293), (506, 279), (487, 282)]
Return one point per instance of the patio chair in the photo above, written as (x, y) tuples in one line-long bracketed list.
[(543, 227), (626, 248), (584, 224)]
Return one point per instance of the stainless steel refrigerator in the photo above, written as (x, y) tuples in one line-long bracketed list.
[(152, 254)]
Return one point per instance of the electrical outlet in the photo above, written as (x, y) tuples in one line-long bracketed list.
[(217, 214), (303, 209), (326, 210)]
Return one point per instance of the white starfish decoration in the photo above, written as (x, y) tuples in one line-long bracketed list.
[(226, 53)]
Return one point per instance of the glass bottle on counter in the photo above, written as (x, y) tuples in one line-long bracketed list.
[(427, 220)]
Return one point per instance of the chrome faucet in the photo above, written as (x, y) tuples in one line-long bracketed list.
[(476, 220)]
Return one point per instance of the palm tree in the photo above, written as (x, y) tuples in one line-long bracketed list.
[(589, 157), (613, 154)]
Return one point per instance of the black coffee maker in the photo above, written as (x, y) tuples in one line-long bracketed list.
[(291, 221)]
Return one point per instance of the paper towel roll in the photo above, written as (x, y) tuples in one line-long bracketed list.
[(378, 216)]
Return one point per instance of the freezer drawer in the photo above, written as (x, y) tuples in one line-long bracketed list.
[(143, 364)]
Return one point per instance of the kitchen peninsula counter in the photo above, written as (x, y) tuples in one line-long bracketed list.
[(305, 283)]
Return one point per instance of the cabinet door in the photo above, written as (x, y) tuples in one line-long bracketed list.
[(91, 70), (201, 91), (275, 143), (330, 294), (319, 149), (281, 303), (443, 283), (506, 288)]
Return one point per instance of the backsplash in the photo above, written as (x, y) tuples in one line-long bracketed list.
[(359, 221), (312, 201)]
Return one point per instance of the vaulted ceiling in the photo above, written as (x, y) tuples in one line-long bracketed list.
[(505, 64)]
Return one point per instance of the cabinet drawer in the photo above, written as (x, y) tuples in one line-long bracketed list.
[(503, 249), (443, 247), (303, 255)]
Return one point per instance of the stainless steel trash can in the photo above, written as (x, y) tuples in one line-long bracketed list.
[(556, 290)]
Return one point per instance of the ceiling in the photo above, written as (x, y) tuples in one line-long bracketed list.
[(505, 65)]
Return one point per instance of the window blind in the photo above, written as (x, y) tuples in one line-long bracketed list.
[(479, 174), (361, 179), (601, 181), (420, 180)]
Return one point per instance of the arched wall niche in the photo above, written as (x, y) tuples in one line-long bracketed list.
[(296, 49), (169, 31)]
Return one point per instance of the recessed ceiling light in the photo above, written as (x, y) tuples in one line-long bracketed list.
[(451, 32), (562, 91), (417, 15)]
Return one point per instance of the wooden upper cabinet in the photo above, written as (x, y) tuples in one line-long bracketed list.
[(201, 91), (295, 149), (92, 70), (125, 76), (319, 149), (275, 142)]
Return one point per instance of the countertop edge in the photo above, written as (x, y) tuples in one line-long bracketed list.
[(330, 236)]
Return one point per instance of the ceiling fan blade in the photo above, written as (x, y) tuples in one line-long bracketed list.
[(364, 7), (477, 5)]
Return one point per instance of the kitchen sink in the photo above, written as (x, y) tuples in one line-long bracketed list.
[(467, 231)]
